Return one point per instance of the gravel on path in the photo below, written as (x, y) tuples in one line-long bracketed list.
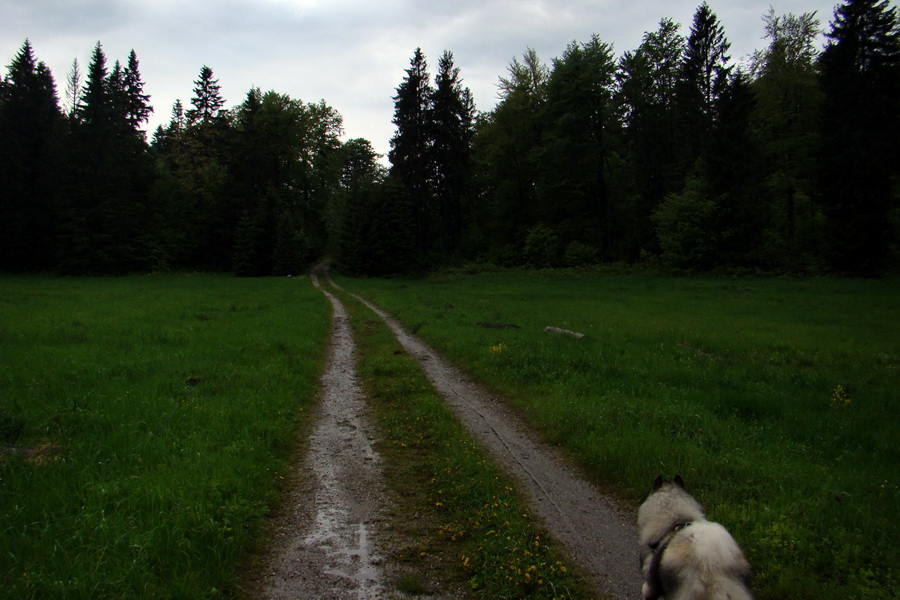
[(325, 543)]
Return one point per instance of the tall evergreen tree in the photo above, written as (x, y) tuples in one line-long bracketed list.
[(648, 79), (30, 161), (204, 176), (105, 209), (137, 103), (733, 166), (860, 78), (411, 147), (704, 74), (207, 101), (453, 114), (74, 81)]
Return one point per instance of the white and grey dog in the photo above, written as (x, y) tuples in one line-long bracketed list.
[(684, 556)]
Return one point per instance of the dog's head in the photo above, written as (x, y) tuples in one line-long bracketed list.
[(660, 481), (667, 505)]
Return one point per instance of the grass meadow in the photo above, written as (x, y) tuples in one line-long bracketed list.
[(777, 400), (144, 426)]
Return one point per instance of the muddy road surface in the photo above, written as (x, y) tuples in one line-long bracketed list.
[(325, 541), (326, 544)]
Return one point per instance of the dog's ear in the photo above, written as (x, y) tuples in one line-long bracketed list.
[(679, 481), (657, 483)]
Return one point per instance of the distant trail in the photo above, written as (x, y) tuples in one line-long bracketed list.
[(324, 546), (599, 536)]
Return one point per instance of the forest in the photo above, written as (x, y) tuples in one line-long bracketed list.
[(672, 155)]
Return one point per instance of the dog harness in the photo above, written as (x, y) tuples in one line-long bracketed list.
[(659, 547), (667, 537)]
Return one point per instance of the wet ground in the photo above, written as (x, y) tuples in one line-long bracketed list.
[(326, 546)]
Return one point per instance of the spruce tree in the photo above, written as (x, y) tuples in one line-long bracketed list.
[(648, 79), (506, 155), (578, 140), (30, 163), (105, 212), (137, 103), (786, 121), (207, 101), (411, 155), (860, 78), (453, 113), (704, 74)]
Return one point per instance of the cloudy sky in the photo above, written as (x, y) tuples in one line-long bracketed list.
[(351, 53)]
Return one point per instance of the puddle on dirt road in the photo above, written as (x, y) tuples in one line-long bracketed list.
[(326, 546)]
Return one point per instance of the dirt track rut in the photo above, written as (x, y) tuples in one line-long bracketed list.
[(326, 543), (597, 534)]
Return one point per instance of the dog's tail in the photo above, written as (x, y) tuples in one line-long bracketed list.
[(718, 563)]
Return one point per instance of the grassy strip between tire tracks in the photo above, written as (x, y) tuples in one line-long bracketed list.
[(777, 400), (457, 524), (145, 427)]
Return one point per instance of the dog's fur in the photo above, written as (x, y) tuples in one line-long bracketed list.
[(684, 556)]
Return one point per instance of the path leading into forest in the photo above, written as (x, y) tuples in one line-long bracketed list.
[(326, 545)]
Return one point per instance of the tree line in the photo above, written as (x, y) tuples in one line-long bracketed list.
[(672, 153), (668, 154)]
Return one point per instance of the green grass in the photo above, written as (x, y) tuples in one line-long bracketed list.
[(471, 531), (164, 410), (731, 382)]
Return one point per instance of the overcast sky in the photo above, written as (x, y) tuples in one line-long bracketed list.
[(351, 53)]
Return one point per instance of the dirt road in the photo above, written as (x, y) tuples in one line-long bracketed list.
[(326, 544), (325, 541)]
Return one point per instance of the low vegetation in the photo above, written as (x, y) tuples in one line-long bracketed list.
[(145, 424), (775, 399)]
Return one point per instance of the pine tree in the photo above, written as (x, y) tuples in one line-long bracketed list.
[(704, 74), (137, 103), (207, 101), (105, 212), (30, 163), (411, 147), (453, 113), (648, 79), (200, 158), (506, 154), (74, 81), (860, 78), (96, 109)]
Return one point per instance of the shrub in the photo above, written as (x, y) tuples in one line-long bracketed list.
[(578, 254), (541, 246)]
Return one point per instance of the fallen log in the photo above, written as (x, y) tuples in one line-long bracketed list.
[(574, 334), (498, 325)]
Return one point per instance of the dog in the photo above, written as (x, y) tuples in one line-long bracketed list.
[(684, 556)]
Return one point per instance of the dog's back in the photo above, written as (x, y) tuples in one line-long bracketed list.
[(703, 562), (684, 556)]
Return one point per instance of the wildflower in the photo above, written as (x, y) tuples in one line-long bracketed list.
[(498, 348), (839, 397)]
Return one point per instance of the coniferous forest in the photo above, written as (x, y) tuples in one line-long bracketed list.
[(670, 154)]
